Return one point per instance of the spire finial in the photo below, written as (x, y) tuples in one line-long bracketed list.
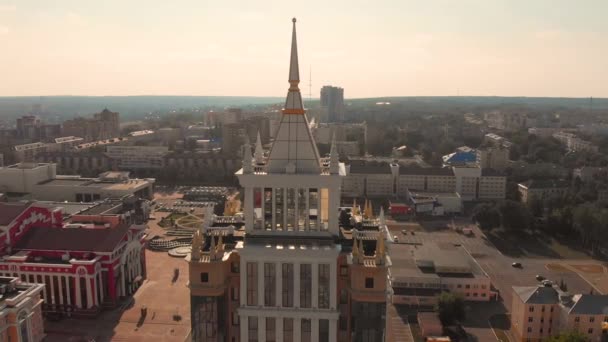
[(293, 20), (294, 68)]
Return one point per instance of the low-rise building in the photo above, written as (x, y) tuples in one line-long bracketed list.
[(40, 181), (419, 273), (20, 310), (379, 179), (574, 143), (587, 173), (538, 312), (28, 152), (541, 189)]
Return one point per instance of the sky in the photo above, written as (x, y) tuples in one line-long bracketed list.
[(371, 48)]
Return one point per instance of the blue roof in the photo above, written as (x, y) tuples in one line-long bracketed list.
[(460, 158)]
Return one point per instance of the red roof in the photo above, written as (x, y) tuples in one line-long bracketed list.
[(10, 211), (72, 239)]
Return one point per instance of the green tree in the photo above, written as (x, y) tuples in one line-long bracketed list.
[(486, 215), (450, 308), (514, 215), (568, 336)]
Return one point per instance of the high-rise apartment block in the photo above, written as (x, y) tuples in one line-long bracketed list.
[(332, 99), (290, 273), (104, 125)]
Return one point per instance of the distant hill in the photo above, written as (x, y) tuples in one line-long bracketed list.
[(129, 106), (59, 108), (568, 102)]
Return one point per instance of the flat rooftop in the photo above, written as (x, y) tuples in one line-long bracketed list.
[(433, 261), (10, 211)]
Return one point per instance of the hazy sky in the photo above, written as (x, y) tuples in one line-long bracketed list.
[(371, 48)]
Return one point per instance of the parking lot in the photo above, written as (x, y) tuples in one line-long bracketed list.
[(581, 275)]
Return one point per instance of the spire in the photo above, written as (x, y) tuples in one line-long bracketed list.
[(334, 161), (294, 68), (294, 149), (258, 155), (293, 104), (247, 158), (381, 218)]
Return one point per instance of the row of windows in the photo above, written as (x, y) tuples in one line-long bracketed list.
[(287, 290), (288, 328)]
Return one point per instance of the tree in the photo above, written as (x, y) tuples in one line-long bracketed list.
[(486, 215), (344, 218), (450, 308), (514, 215), (568, 336)]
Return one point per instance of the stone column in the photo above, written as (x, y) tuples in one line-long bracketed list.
[(297, 328), (67, 290), (296, 287), (52, 296), (315, 285), (279, 285), (333, 330), (78, 293), (274, 209), (279, 328), (89, 292), (261, 328), (244, 320), (314, 330), (333, 284), (249, 209), (260, 283), (243, 287), (61, 300), (307, 218)]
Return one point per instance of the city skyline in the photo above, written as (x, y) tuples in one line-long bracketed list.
[(510, 48)]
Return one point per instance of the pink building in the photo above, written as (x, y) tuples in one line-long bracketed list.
[(82, 269)]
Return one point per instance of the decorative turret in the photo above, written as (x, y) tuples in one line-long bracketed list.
[(381, 219), (247, 159), (197, 245), (355, 209), (334, 160), (368, 210), (355, 251), (380, 248), (258, 155)]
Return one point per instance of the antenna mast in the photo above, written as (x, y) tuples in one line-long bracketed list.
[(310, 83)]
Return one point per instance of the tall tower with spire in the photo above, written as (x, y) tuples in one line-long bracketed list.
[(291, 222), (287, 273)]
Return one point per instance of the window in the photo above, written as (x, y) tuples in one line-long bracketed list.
[(529, 329), (234, 267), (590, 331), (343, 271), (542, 309), (531, 309), (459, 286), (235, 318), (467, 286), (25, 336), (305, 286), (369, 283), (270, 284), (343, 323), (234, 293), (343, 296), (541, 330), (204, 277), (551, 309), (530, 319), (306, 335), (252, 283), (577, 319), (323, 330), (270, 329), (323, 286), (253, 329), (287, 329), (287, 283), (591, 319)]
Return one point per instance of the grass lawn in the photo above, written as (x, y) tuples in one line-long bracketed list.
[(533, 244), (166, 223)]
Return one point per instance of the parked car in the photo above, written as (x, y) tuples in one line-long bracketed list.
[(516, 264), (540, 277)]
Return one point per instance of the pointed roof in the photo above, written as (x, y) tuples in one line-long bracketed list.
[(294, 148), (258, 155)]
